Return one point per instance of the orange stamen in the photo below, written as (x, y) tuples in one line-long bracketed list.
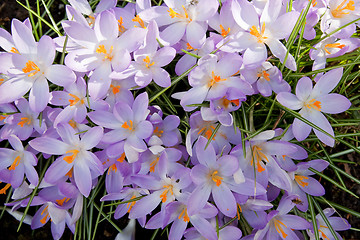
[(121, 158), (264, 74), (338, 12), (333, 45), (76, 100), (15, 163), (217, 179), (43, 220), (158, 132), (131, 204), (168, 188), (300, 180), (258, 155), (3, 190), (314, 104), (224, 32), (139, 20), (174, 14), (61, 201), (147, 62), (255, 32), (184, 215), (31, 68), (112, 168), (102, 50), (215, 79), (71, 158), (126, 126), (153, 164), (120, 25), (24, 120), (14, 50), (72, 123), (278, 227), (115, 89)]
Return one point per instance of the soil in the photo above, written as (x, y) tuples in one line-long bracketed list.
[(9, 9)]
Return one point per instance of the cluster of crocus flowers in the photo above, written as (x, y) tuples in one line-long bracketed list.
[(202, 176)]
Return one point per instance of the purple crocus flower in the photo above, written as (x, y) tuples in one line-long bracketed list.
[(312, 101), (18, 162), (337, 223), (267, 29), (303, 182), (127, 123), (280, 224), (149, 62), (31, 66), (182, 17), (215, 176), (76, 158)]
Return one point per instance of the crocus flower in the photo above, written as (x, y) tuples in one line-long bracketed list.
[(337, 223), (269, 29), (127, 123), (76, 159), (182, 17), (32, 66), (18, 162), (313, 101), (149, 62), (280, 224)]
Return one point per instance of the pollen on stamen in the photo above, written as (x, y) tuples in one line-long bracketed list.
[(224, 32), (339, 11), (3, 190), (264, 74), (126, 126), (31, 68), (71, 158), (148, 62), (333, 45), (139, 20), (184, 215), (15, 163), (259, 35), (24, 120), (278, 226)]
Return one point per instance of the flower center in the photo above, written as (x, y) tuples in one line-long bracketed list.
[(62, 201), (216, 178), (184, 16), (207, 131), (226, 102), (126, 126), (333, 45), (115, 89), (148, 62), (71, 158), (25, 120), (278, 227), (138, 20), (338, 12), (224, 32), (215, 79), (31, 68), (168, 188), (121, 158), (314, 104), (258, 155), (15, 163), (76, 100), (264, 74), (259, 34), (158, 132), (120, 25), (300, 180), (106, 55), (184, 215)]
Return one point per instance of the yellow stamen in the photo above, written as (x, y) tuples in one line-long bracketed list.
[(61, 201), (115, 89), (224, 32), (3, 190), (147, 62), (131, 204), (24, 120), (314, 104), (300, 180), (260, 36), (71, 158), (76, 100), (215, 79), (31, 68), (338, 12), (333, 45), (314, 3), (217, 179), (112, 168), (258, 155), (184, 215), (168, 188), (139, 20), (278, 227), (153, 164), (120, 25), (15, 163), (102, 50), (126, 126), (14, 50), (264, 74)]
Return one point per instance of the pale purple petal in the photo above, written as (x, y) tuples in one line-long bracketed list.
[(173, 33), (300, 129), (57, 170), (198, 198), (195, 33), (100, 81), (255, 55), (289, 100), (60, 75), (82, 178), (303, 88), (145, 205), (49, 145), (177, 229), (204, 227), (13, 89), (92, 137), (320, 120), (46, 50), (224, 200), (23, 37), (327, 82), (279, 51), (199, 174), (104, 118), (39, 95), (161, 77), (106, 26), (334, 103)]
